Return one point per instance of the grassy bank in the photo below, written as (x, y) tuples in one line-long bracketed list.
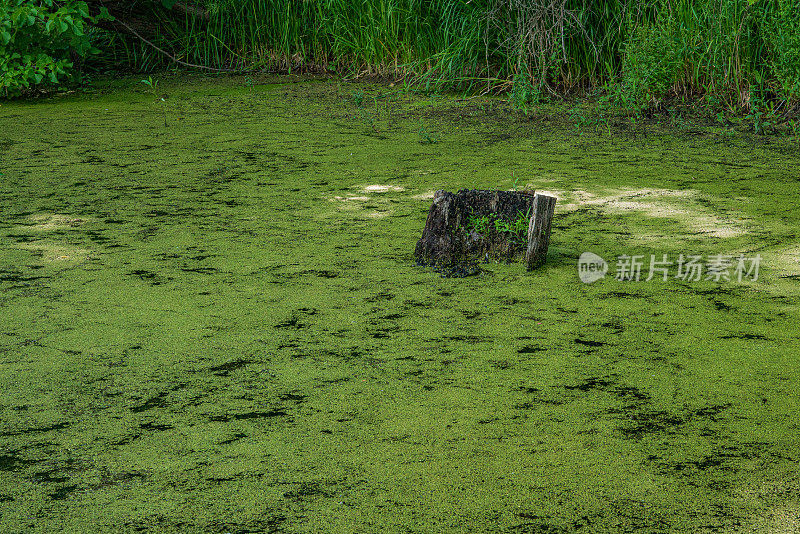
[(737, 52)]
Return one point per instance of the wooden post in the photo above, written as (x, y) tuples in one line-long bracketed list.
[(539, 230)]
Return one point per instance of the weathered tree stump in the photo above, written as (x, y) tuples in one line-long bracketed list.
[(473, 225), (539, 230)]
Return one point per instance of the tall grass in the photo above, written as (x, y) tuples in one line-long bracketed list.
[(648, 48)]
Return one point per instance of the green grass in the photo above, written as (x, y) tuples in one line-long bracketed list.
[(218, 326)]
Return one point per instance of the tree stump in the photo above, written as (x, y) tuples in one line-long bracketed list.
[(474, 225)]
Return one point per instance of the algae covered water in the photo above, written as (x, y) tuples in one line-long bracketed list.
[(217, 325)]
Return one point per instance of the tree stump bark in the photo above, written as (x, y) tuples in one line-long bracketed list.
[(539, 230), (474, 225)]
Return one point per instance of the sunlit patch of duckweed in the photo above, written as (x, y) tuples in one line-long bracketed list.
[(215, 326), (785, 259), (688, 207), (45, 222), (52, 252), (427, 195), (379, 214), (351, 199), (380, 188)]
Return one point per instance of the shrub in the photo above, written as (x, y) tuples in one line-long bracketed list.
[(651, 63), (37, 38), (783, 38)]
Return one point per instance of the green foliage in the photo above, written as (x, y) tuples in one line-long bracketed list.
[(153, 88), (479, 224), (763, 115), (651, 63), (426, 137), (358, 98), (783, 37), (151, 84), (524, 92), (518, 228), (484, 224), (36, 40), (644, 51), (369, 119), (594, 117), (579, 119)]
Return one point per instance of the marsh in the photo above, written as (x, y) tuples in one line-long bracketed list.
[(217, 324)]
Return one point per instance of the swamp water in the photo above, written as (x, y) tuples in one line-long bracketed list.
[(218, 326)]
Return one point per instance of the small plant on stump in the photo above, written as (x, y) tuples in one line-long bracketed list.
[(479, 224), (517, 229)]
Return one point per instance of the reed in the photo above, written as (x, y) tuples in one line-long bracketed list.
[(723, 47)]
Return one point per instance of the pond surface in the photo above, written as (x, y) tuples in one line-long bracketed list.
[(217, 325)]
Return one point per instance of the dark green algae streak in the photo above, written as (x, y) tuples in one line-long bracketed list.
[(217, 326)]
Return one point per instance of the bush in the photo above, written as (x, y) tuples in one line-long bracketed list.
[(37, 39), (651, 63), (783, 38)]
